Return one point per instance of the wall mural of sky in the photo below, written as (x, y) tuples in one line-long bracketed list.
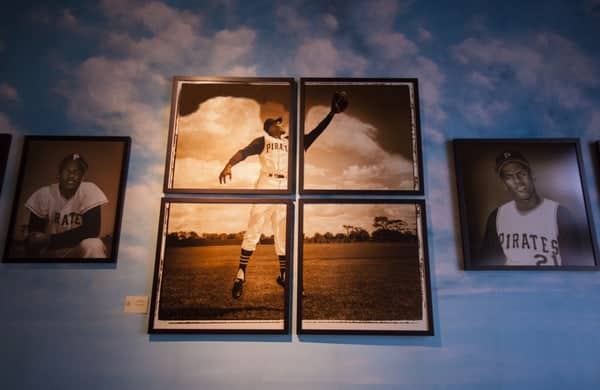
[(490, 70)]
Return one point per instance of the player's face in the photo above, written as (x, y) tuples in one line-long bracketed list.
[(276, 130), (70, 176), (518, 180)]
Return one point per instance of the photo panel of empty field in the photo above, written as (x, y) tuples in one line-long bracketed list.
[(370, 143), (202, 246), (363, 267)]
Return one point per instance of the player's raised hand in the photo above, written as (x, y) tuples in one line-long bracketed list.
[(224, 173)]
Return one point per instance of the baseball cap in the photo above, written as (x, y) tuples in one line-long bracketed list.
[(510, 156), (271, 121), (73, 157)]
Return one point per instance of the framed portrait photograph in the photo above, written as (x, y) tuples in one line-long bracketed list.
[(222, 266), (523, 205), (4, 149), (69, 199), (231, 135), (363, 268), (360, 136)]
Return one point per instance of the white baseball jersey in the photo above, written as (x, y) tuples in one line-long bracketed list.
[(64, 214), (274, 156), (529, 238)]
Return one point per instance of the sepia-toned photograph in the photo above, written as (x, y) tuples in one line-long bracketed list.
[(231, 135), (363, 268), (69, 200), (360, 135), (523, 205), (4, 149), (222, 266)]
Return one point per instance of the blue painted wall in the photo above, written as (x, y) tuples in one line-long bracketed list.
[(509, 69)]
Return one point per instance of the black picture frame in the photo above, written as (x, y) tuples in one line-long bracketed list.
[(264, 307), (358, 289), (372, 147), (5, 140), (524, 205), (104, 162), (214, 117)]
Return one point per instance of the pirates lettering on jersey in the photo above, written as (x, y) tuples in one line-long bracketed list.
[(64, 214), (67, 221), (543, 249), (529, 238), (271, 146), (274, 156)]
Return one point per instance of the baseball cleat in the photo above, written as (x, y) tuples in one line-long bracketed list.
[(238, 288)]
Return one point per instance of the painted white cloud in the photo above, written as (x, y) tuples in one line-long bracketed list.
[(360, 162), (424, 34), (481, 80), (377, 15), (394, 54), (392, 45), (289, 20), (127, 88), (440, 190), (140, 214), (119, 96), (433, 135), (321, 57), (8, 92), (547, 63), (486, 114)]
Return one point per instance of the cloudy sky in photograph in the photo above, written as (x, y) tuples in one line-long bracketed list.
[(509, 69)]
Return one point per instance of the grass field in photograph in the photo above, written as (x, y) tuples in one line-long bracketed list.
[(197, 285), (362, 281)]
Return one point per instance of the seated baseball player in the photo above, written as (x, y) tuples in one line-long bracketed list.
[(272, 151), (65, 217), (529, 230)]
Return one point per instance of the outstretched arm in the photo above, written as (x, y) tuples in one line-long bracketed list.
[(316, 132), (254, 147), (339, 103)]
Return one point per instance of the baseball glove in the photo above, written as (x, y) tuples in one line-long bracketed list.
[(339, 102)]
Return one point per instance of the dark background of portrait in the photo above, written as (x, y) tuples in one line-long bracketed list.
[(41, 168), (554, 167)]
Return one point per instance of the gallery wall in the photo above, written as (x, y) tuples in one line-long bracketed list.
[(504, 70)]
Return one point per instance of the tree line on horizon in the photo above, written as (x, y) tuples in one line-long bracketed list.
[(385, 230)]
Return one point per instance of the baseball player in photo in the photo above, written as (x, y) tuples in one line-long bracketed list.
[(272, 152), (65, 217), (529, 230)]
